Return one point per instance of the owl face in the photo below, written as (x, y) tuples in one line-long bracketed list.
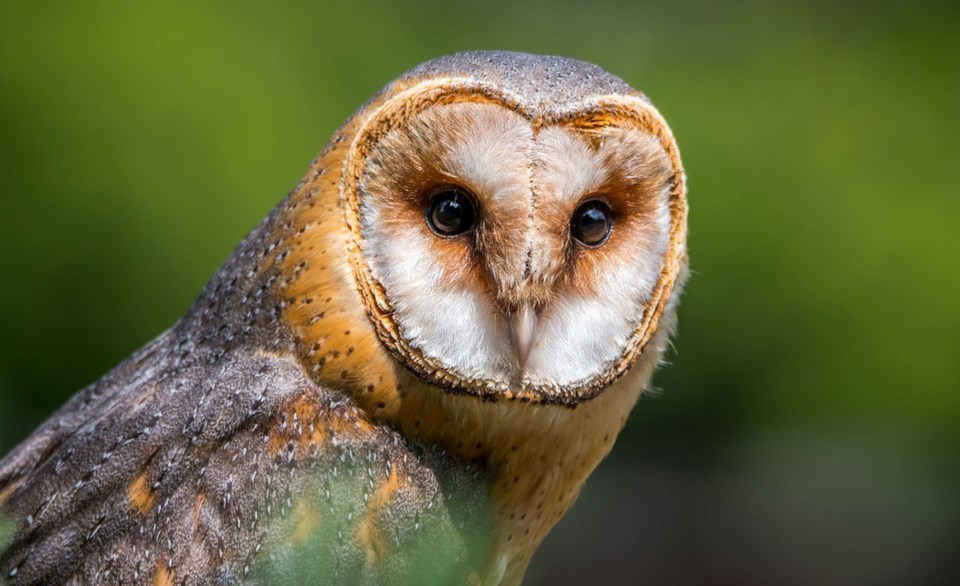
[(511, 254)]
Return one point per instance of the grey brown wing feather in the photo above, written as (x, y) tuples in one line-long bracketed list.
[(185, 466)]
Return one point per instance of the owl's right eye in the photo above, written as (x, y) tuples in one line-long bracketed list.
[(451, 212)]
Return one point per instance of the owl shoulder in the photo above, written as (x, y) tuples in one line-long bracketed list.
[(226, 466)]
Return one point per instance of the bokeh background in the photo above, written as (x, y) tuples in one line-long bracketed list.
[(807, 429)]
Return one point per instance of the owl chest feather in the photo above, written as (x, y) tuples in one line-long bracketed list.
[(538, 456)]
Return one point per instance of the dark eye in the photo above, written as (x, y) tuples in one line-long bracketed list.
[(591, 223), (451, 212)]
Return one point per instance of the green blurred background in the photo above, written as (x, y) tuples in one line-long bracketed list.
[(808, 427)]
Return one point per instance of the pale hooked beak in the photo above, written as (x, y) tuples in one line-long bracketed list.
[(523, 329)]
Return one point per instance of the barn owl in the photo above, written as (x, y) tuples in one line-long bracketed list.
[(406, 371)]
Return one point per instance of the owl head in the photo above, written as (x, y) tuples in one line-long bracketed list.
[(516, 224)]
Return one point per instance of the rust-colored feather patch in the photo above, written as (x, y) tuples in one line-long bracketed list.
[(306, 423), (198, 502), (308, 522), (140, 495), (370, 536), (162, 575), (9, 489)]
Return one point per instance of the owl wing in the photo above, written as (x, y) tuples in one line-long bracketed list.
[(197, 467)]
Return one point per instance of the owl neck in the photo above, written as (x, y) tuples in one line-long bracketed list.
[(538, 455)]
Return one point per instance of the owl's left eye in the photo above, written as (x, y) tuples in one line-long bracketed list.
[(591, 223), (451, 212)]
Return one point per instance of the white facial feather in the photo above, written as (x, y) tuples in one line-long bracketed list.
[(580, 333), (456, 325), (514, 172), (568, 167), (490, 156), (452, 324)]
